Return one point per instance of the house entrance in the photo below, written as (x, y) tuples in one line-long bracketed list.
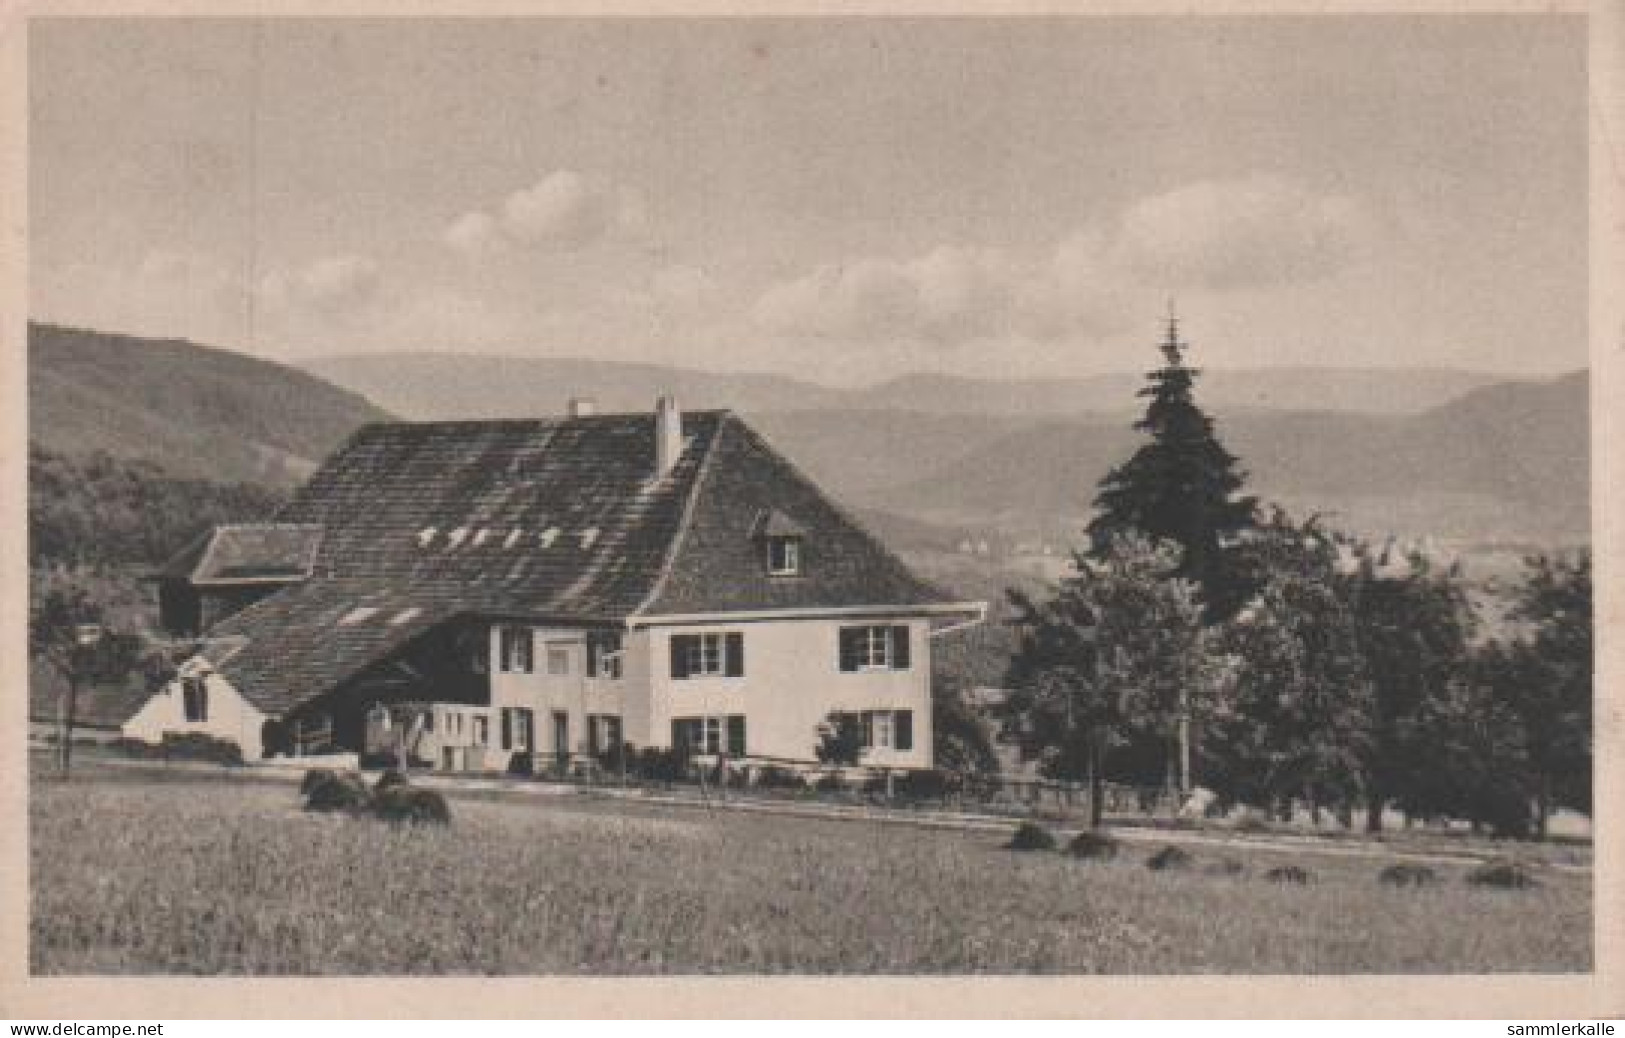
[(561, 738)]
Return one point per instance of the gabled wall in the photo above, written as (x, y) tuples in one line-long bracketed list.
[(720, 562), (230, 716)]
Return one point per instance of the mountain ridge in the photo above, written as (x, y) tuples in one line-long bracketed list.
[(425, 384), (195, 410), (1503, 460)]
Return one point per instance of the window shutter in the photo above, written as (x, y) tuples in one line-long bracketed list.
[(899, 647), (679, 656), (851, 647), (903, 729), (734, 655), (507, 728), (736, 735)]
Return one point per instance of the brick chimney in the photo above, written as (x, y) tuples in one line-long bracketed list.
[(583, 406), (668, 435)]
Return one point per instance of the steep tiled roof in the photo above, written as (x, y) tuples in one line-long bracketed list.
[(719, 564), (553, 519), (557, 518), (299, 643), (423, 521), (247, 551)]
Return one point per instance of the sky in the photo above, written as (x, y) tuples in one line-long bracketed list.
[(840, 200)]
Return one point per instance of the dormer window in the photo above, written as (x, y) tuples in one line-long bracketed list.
[(784, 556), (781, 540)]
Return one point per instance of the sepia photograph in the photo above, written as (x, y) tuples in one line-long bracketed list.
[(1030, 495)]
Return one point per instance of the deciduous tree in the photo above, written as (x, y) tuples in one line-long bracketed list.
[(1120, 649)]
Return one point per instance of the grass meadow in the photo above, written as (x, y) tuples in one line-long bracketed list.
[(134, 875)]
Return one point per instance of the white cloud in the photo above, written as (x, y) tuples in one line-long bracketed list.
[(446, 317), (1233, 234), (1213, 236), (472, 234), (334, 286), (949, 297), (568, 210), (682, 287)]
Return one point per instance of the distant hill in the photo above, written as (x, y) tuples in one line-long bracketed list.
[(434, 385), (193, 411), (1365, 390), (1508, 461), (431, 385), (926, 460)]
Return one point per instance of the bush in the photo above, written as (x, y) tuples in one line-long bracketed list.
[(412, 806), (612, 759), (1170, 857), (137, 748), (316, 777), (521, 764), (1252, 822), (657, 765), (389, 780), (1030, 836), (1407, 875), (201, 747), (1224, 867), (378, 760), (830, 782), (1093, 845), (337, 791), (771, 776), (929, 785), (1502, 875), (1288, 874)]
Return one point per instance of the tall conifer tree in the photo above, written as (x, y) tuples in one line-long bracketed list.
[(1181, 486)]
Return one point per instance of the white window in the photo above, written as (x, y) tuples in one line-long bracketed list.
[(886, 729), (514, 650), (720, 654), (708, 735), (604, 655), (784, 556), (558, 659), (882, 728), (603, 732), (874, 647), (705, 654), (518, 728)]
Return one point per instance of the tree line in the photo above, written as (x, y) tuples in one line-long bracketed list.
[(1206, 640)]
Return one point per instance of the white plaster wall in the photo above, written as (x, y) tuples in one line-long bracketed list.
[(792, 681), (574, 694), (230, 716)]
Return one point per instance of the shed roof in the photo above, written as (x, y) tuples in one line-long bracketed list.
[(244, 552)]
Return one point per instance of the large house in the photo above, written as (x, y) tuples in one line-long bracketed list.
[(520, 594)]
